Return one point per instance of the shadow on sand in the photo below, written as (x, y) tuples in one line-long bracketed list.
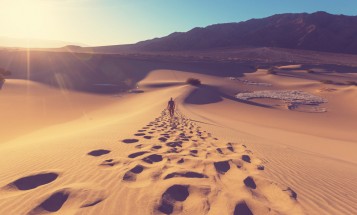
[(206, 94), (104, 73)]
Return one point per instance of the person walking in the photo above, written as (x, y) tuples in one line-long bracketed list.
[(171, 107)]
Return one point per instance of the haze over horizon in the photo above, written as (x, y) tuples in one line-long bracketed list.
[(98, 23)]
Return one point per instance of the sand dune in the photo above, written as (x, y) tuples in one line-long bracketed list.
[(31, 106), (220, 155)]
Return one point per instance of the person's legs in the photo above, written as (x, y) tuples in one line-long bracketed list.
[(171, 112)]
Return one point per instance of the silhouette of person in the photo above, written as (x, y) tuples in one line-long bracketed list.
[(171, 107)]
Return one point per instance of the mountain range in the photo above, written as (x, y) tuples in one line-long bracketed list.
[(319, 31), (12, 42)]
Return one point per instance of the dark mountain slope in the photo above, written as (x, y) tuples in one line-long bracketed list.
[(319, 31)]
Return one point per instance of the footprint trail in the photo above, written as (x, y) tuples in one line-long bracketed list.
[(184, 161)]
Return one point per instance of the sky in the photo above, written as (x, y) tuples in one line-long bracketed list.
[(109, 22)]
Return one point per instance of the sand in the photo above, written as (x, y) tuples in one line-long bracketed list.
[(78, 153)]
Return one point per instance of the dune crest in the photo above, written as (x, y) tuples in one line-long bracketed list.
[(221, 155)]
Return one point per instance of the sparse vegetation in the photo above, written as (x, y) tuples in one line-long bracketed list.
[(326, 81), (354, 83), (2, 81), (271, 71), (3, 73), (193, 81)]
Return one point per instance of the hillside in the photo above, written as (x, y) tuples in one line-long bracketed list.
[(318, 31)]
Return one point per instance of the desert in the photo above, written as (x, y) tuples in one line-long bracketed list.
[(184, 124)]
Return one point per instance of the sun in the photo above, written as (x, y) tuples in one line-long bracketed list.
[(27, 18)]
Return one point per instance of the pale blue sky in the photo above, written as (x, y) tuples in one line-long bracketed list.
[(104, 22)]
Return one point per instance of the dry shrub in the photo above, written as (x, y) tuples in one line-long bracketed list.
[(352, 83), (326, 81), (271, 71), (193, 81)]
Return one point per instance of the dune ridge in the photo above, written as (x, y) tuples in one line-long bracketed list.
[(219, 155)]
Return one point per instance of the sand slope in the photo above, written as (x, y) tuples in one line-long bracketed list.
[(31, 106), (219, 155)]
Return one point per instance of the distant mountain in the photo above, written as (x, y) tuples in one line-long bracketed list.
[(32, 43), (318, 31)]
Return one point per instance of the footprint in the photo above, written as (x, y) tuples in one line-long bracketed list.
[(249, 182), (242, 208), (152, 158), (194, 151), (249, 151), (139, 134), (163, 139), (219, 151), (148, 137), (98, 152), (130, 141), (230, 147), (33, 181), (177, 193), (181, 161), (92, 203), (140, 146), (53, 203), (109, 162), (141, 130), (246, 158), (131, 174), (172, 194), (66, 200), (137, 169), (222, 166), (156, 147), (292, 193), (260, 167), (173, 150), (174, 144), (185, 175), (137, 154)]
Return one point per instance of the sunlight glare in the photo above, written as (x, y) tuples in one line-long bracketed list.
[(27, 17)]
